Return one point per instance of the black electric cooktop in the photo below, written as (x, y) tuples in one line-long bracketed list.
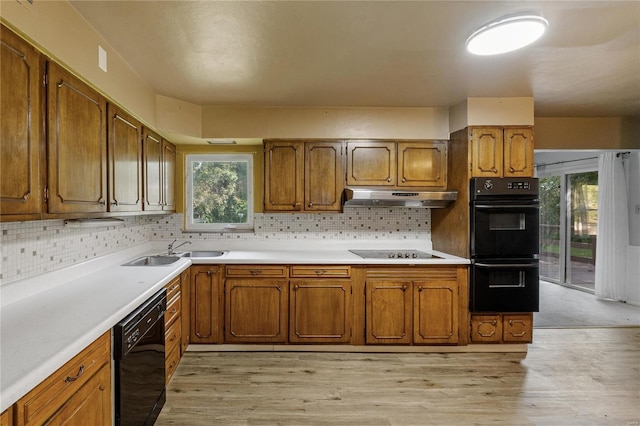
[(394, 254)]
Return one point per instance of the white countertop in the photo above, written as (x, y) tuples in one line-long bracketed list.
[(45, 321)]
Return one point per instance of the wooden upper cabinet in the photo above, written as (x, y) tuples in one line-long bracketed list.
[(77, 149), (486, 152), (371, 163), (422, 164), (518, 152), (77, 145), (303, 176), (501, 152), (152, 151), (125, 161), (399, 164), (168, 176), (20, 129), (323, 177), (159, 172), (283, 175)]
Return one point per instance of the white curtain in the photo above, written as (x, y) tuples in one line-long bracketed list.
[(613, 229)]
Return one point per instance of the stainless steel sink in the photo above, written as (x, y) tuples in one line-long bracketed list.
[(203, 253), (153, 261)]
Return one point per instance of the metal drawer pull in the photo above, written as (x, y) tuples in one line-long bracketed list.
[(70, 379), (255, 271), (320, 271)]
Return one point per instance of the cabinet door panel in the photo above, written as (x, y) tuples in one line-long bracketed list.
[(168, 176), (77, 148), (517, 328), (435, 312), (486, 152), (323, 179), (320, 311), (185, 287), (284, 173), (371, 163), (125, 161), (90, 406), (486, 328), (518, 152), (152, 149), (20, 144), (422, 164), (205, 311), (388, 312), (256, 310)]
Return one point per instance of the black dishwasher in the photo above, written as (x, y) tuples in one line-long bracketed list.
[(139, 363)]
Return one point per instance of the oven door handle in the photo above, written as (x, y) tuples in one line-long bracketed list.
[(507, 206), (506, 265)]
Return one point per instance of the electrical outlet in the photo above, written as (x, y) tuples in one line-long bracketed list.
[(102, 58)]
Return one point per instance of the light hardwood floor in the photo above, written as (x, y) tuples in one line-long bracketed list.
[(568, 377)]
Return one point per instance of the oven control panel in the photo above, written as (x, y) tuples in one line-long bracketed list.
[(503, 187)]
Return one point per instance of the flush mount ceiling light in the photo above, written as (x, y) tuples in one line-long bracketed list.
[(506, 34)]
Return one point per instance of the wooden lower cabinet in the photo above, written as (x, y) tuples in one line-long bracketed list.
[(502, 328), (414, 305), (256, 303), (173, 327), (79, 393), (389, 312), (320, 311), (205, 304), (185, 285), (6, 418), (435, 312)]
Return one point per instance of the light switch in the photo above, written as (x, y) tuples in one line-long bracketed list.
[(102, 58)]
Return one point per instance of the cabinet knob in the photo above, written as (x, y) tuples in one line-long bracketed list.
[(296, 287), (389, 180), (404, 180), (404, 288), (494, 170), (102, 203), (210, 272), (114, 203), (310, 203)]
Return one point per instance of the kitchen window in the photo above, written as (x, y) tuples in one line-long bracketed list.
[(219, 192)]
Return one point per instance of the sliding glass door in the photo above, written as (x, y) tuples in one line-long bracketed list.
[(568, 228)]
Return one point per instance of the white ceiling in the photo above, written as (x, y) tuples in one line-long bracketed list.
[(375, 53)]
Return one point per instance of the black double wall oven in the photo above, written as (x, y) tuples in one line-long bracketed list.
[(504, 245)]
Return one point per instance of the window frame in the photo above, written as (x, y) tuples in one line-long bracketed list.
[(191, 226)]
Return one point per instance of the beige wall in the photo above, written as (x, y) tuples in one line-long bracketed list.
[(330, 122), (587, 133), (515, 111), (61, 33)]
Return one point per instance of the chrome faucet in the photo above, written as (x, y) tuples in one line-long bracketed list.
[(171, 248)]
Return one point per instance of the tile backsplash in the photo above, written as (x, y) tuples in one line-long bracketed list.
[(33, 248)]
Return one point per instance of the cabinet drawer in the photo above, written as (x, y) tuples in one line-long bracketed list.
[(171, 362), (517, 328), (172, 336), (245, 271), (174, 307), (320, 271), (486, 328), (50, 395), (173, 289)]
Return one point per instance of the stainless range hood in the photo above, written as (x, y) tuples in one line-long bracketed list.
[(369, 197)]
